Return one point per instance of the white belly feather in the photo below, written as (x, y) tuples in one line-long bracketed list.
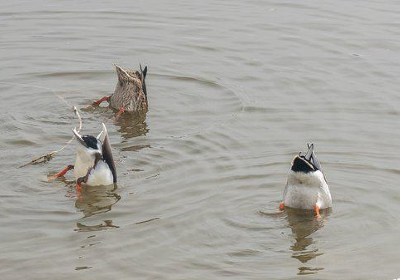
[(82, 164), (305, 190), (100, 175)]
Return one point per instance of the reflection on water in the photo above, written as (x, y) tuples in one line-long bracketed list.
[(96, 200), (132, 124), (303, 225), (107, 224)]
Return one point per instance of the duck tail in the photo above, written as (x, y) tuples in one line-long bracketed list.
[(143, 73)]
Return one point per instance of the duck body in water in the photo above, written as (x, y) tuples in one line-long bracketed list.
[(306, 186), (130, 94), (94, 165)]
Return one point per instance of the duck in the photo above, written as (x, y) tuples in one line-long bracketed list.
[(94, 164), (130, 94), (306, 186)]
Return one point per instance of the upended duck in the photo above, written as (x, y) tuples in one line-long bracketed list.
[(94, 165), (306, 186), (130, 94)]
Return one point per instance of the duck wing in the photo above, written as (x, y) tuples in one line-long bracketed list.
[(106, 152)]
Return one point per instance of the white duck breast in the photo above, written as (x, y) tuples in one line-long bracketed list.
[(306, 185), (85, 158), (94, 163), (100, 175)]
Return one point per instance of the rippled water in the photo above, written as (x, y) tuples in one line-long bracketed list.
[(236, 89)]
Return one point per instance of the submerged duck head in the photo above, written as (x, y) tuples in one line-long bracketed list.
[(94, 161)]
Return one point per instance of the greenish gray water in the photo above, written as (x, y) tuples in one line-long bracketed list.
[(236, 89)]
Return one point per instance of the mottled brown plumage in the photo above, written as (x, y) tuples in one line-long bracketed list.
[(130, 91)]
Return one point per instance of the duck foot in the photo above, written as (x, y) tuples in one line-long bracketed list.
[(316, 208), (122, 110), (78, 185), (98, 102), (281, 206), (62, 172)]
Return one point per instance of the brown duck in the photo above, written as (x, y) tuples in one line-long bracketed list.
[(130, 93)]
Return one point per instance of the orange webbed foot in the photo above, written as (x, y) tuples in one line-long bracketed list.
[(98, 102), (122, 110), (281, 206), (62, 172), (317, 214), (78, 186)]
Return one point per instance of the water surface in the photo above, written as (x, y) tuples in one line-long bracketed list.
[(236, 89)]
